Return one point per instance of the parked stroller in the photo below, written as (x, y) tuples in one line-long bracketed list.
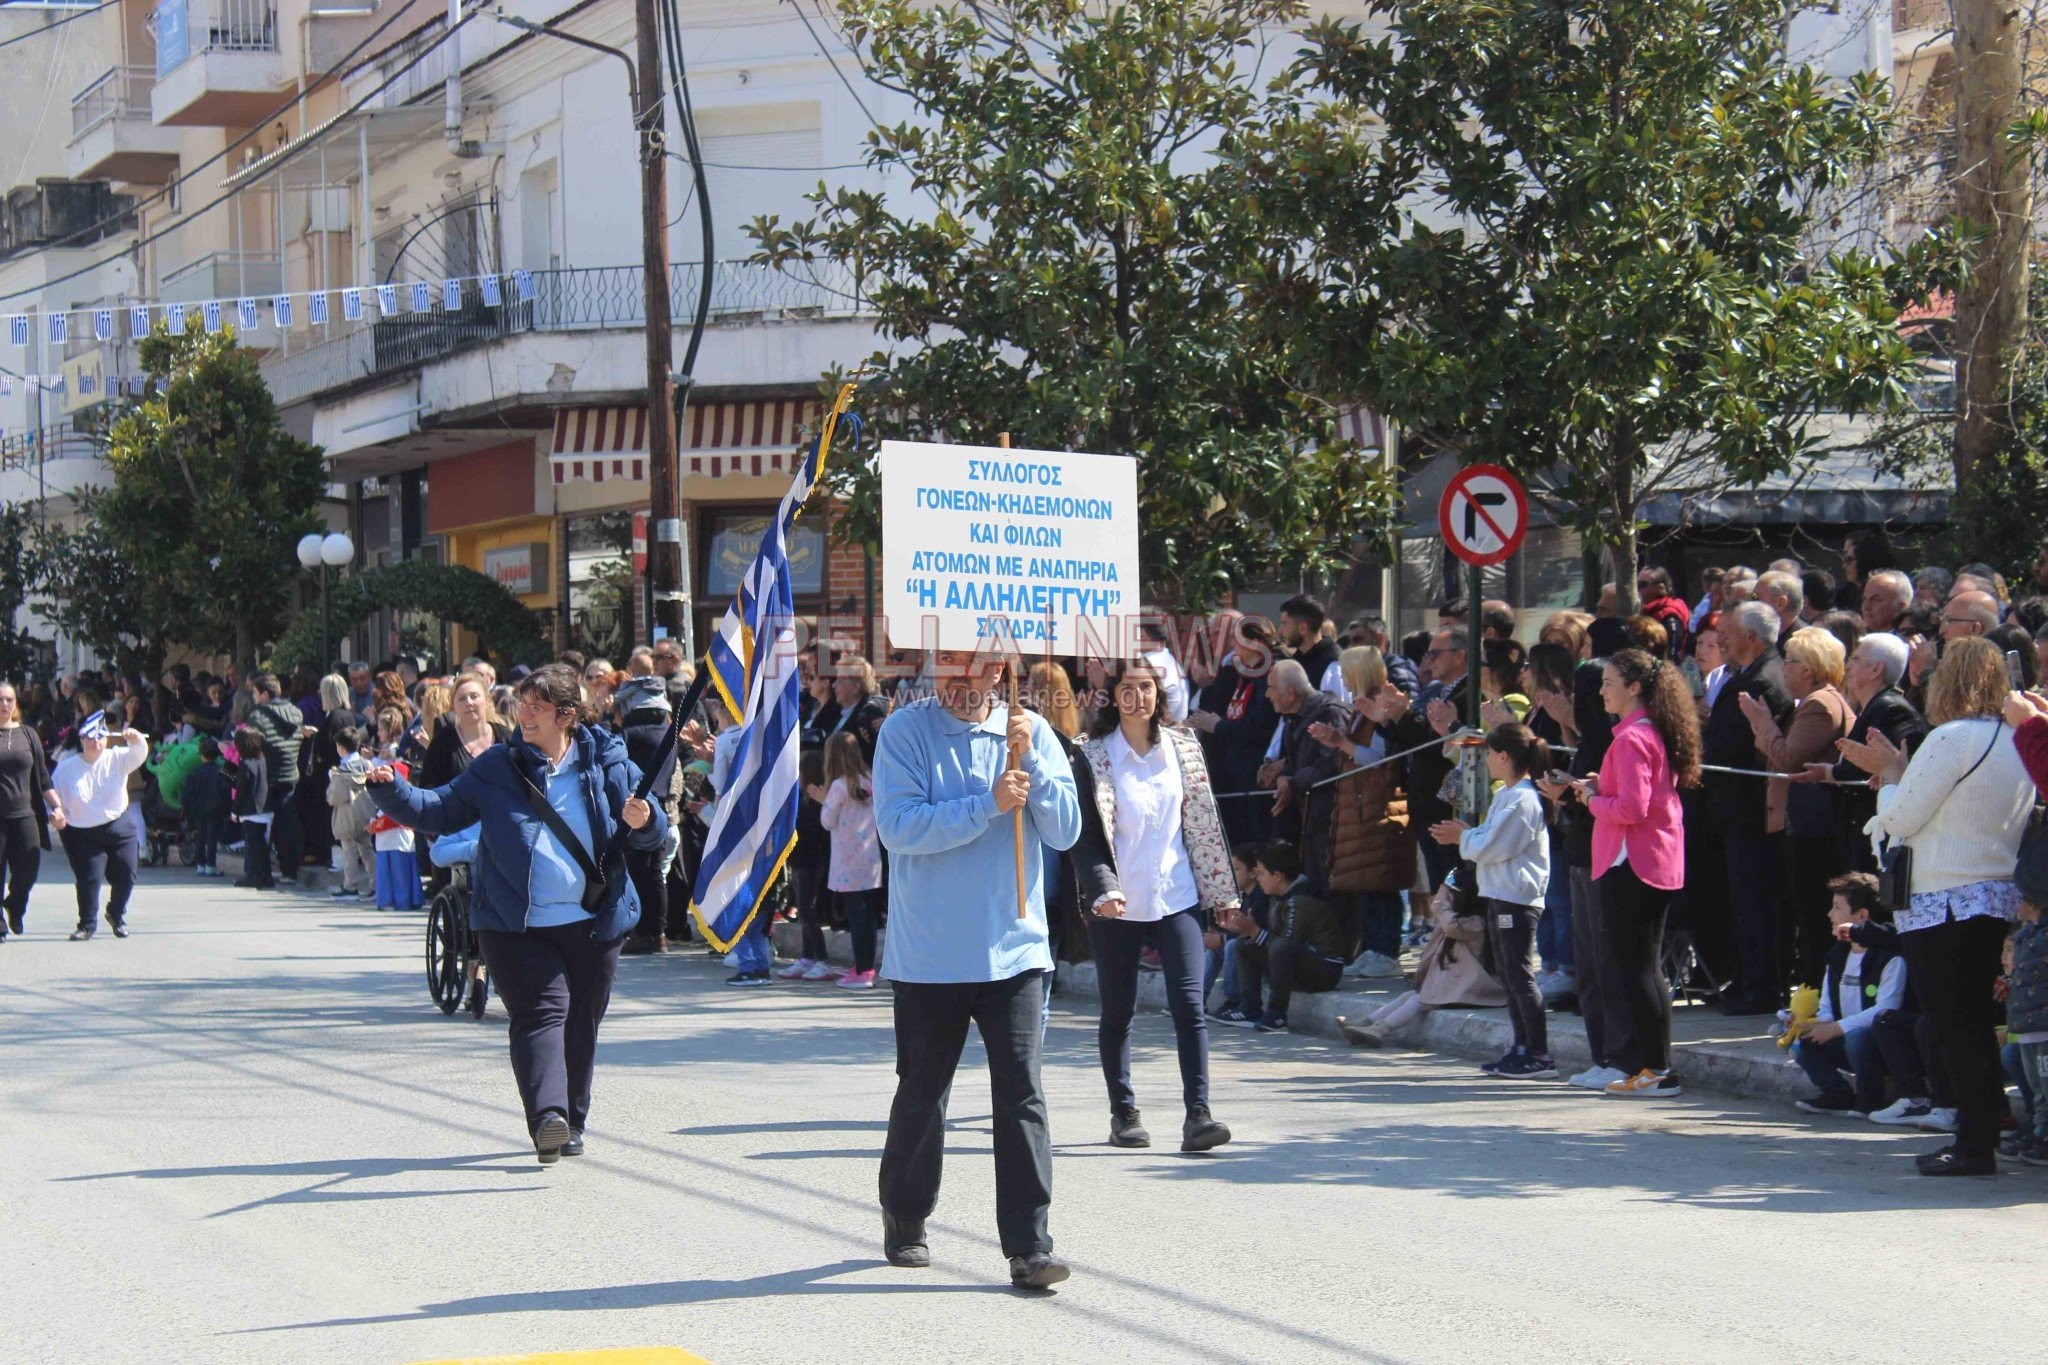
[(163, 828)]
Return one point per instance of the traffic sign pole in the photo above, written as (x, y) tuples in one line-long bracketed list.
[(1483, 517)]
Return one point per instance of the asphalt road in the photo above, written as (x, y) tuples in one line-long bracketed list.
[(244, 1134)]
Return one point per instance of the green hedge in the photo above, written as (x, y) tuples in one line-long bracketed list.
[(505, 629)]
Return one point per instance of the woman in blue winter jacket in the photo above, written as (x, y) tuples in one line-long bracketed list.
[(551, 949)]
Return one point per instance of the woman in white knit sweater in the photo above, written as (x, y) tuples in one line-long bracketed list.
[(1961, 805)]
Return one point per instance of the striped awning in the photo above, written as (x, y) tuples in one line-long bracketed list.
[(749, 439), (742, 439), (597, 444)]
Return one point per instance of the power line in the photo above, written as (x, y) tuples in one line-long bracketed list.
[(51, 28), (255, 129), (287, 155), (798, 6)]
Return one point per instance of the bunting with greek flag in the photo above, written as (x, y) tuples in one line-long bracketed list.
[(752, 658)]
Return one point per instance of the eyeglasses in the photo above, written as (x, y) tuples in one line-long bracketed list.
[(1435, 653)]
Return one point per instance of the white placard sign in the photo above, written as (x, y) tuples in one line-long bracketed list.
[(980, 543)]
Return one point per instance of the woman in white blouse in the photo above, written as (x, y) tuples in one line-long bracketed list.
[(1151, 861), (92, 819), (1961, 804)]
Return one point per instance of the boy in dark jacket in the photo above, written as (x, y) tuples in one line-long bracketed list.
[(252, 795), (208, 796), (1865, 976), (1301, 950)]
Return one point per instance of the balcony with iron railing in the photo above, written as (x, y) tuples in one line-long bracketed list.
[(51, 462), (217, 62), (225, 275), (112, 135), (590, 299)]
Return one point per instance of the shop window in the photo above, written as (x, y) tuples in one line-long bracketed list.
[(732, 539), (600, 565)]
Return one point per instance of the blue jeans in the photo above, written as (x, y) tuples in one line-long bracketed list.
[(753, 953), (2022, 1064), (1554, 930), (1385, 915), (1856, 1050)]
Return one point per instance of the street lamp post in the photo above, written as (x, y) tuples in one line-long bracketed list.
[(332, 551)]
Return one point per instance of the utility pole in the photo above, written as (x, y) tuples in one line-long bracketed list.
[(664, 513)]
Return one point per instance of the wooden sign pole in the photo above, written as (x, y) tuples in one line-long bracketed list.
[(1012, 763)]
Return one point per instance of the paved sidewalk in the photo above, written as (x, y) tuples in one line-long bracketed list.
[(1727, 1056)]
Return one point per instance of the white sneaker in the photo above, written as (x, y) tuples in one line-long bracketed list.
[(1381, 966), (1938, 1121), (1903, 1113), (821, 971), (1598, 1078), (1361, 967), (795, 970), (1544, 978), (1560, 983)]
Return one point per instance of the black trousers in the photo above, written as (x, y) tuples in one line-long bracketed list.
[(1635, 916), (1953, 968), (1511, 936), (931, 1030), (1804, 935), (1911, 1056), (1600, 992), (282, 803), (643, 868), (1755, 887), (555, 982), (1284, 966), (21, 855), (812, 902), (1117, 944), (101, 855)]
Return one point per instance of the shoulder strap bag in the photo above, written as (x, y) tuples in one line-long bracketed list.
[(1895, 864), (597, 884)]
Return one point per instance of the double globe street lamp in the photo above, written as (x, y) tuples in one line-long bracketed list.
[(331, 551)]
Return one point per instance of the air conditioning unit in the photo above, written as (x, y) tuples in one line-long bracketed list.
[(328, 211)]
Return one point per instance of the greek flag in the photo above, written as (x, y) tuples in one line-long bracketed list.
[(174, 318), (387, 300), (138, 320), (17, 329), (422, 296), (493, 291), (754, 667), (451, 295), (245, 314), (103, 324), (281, 312), (209, 312), (60, 327), (316, 308)]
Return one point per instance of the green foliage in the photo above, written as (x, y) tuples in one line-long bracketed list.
[(505, 628), (1999, 515), (1073, 274), (18, 652), (1630, 279), (93, 590), (210, 497)]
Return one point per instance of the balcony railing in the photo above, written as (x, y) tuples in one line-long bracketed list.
[(26, 450), (590, 299), (223, 275), (120, 93), (186, 28)]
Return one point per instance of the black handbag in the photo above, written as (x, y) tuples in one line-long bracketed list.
[(1895, 863), (597, 885)]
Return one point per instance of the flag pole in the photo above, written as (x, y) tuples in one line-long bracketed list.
[(1013, 762)]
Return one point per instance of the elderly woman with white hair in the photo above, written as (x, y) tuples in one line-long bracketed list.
[(1871, 683)]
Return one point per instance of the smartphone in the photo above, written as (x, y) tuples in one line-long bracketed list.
[(2014, 672)]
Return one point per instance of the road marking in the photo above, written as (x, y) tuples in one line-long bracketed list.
[(623, 1355)]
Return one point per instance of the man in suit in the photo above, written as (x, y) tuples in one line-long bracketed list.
[(1749, 640), (1302, 816)]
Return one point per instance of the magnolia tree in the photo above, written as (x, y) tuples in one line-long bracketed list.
[(1068, 266), (1573, 239)]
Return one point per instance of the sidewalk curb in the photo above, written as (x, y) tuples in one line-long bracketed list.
[(1481, 1034)]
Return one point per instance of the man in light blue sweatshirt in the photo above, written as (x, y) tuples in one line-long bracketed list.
[(957, 951)]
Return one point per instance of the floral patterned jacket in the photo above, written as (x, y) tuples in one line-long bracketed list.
[(1201, 828)]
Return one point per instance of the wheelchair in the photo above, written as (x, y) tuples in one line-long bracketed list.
[(455, 970)]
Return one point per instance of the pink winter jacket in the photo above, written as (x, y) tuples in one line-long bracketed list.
[(1637, 807)]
